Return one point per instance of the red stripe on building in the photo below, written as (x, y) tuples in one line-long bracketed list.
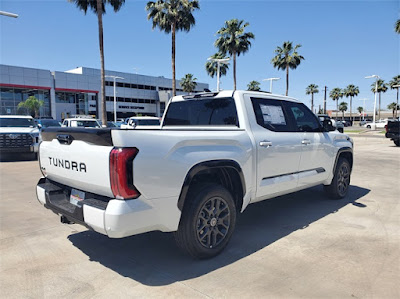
[(24, 86), (77, 90)]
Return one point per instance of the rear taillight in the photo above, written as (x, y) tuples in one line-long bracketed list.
[(121, 172), (386, 128)]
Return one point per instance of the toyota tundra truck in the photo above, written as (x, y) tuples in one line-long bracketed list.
[(212, 156)]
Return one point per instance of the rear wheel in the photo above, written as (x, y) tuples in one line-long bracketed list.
[(397, 142), (368, 127), (207, 222), (341, 180)]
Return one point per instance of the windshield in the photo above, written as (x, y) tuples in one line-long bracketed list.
[(85, 123), (148, 122), (17, 122), (49, 123)]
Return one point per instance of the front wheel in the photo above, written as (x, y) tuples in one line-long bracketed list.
[(397, 142), (208, 221), (368, 127), (341, 180)]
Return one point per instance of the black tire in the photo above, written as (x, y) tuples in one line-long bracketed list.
[(341, 180), (368, 127), (340, 130), (204, 232), (397, 142)]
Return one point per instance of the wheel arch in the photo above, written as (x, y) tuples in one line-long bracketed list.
[(347, 153), (228, 173)]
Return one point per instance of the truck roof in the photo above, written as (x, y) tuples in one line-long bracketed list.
[(16, 116), (229, 93)]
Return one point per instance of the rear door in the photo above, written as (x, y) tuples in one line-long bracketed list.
[(278, 148)]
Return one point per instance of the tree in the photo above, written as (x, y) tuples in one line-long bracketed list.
[(188, 83), (311, 89), (343, 108), (32, 104), (351, 91), (335, 95), (98, 7), (360, 110), (287, 57), (394, 83), (171, 16), (233, 40), (394, 107), (253, 86), (382, 87), (397, 26), (211, 66)]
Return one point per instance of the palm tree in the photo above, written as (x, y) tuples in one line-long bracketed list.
[(397, 26), (253, 86), (360, 110), (393, 106), (343, 108), (335, 95), (233, 40), (394, 83), (382, 87), (32, 104), (188, 83), (171, 16), (98, 7), (211, 66), (311, 89), (287, 57), (351, 91)]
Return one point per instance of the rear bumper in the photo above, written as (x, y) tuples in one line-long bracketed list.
[(392, 136), (112, 217)]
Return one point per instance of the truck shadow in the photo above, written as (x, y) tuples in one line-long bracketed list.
[(153, 258)]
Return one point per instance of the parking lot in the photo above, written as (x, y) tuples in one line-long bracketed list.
[(299, 245)]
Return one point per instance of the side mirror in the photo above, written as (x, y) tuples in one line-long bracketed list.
[(327, 124), (39, 126)]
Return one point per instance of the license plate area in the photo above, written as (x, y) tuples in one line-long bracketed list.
[(76, 197)]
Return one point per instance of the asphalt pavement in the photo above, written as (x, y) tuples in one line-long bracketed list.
[(302, 245)]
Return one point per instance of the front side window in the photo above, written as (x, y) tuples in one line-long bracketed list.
[(270, 114), (202, 112), (304, 119)]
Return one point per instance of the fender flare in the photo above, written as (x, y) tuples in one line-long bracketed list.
[(206, 165), (341, 151)]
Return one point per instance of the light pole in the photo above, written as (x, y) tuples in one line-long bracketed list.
[(219, 62), (397, 98), (8, 14), (376, 93), (270, 84), (365, 99), (115, 95)]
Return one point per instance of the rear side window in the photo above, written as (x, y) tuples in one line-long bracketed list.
[(202, 112), (270, 114)]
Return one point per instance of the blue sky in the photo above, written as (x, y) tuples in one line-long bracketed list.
[(342, 42)]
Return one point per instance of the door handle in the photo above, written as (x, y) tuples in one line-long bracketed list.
[(265, 143), (305, 141)]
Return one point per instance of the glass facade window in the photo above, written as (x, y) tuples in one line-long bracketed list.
[(11, 97)]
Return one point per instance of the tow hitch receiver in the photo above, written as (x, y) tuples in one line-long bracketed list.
[(65, 220)]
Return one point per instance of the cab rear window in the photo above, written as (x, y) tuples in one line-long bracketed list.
[(202, 112)]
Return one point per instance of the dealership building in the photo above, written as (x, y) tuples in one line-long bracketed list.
[(77, 92)]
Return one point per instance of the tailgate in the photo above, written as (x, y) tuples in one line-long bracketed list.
[(393, 127), (78, 158)]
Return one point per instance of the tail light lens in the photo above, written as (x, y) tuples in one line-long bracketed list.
[(121, 173), (386, 128)]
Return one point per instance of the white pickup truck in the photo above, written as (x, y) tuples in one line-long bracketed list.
[(214, 154)]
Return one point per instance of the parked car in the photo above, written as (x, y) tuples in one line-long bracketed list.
[(214, 154), (81, 123), (393, 131), (46, 122), (142, 122), (362, 122), (18, 134), (380, 124)]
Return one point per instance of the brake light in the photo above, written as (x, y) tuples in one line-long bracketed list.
[(121, 173), (386, 128)]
